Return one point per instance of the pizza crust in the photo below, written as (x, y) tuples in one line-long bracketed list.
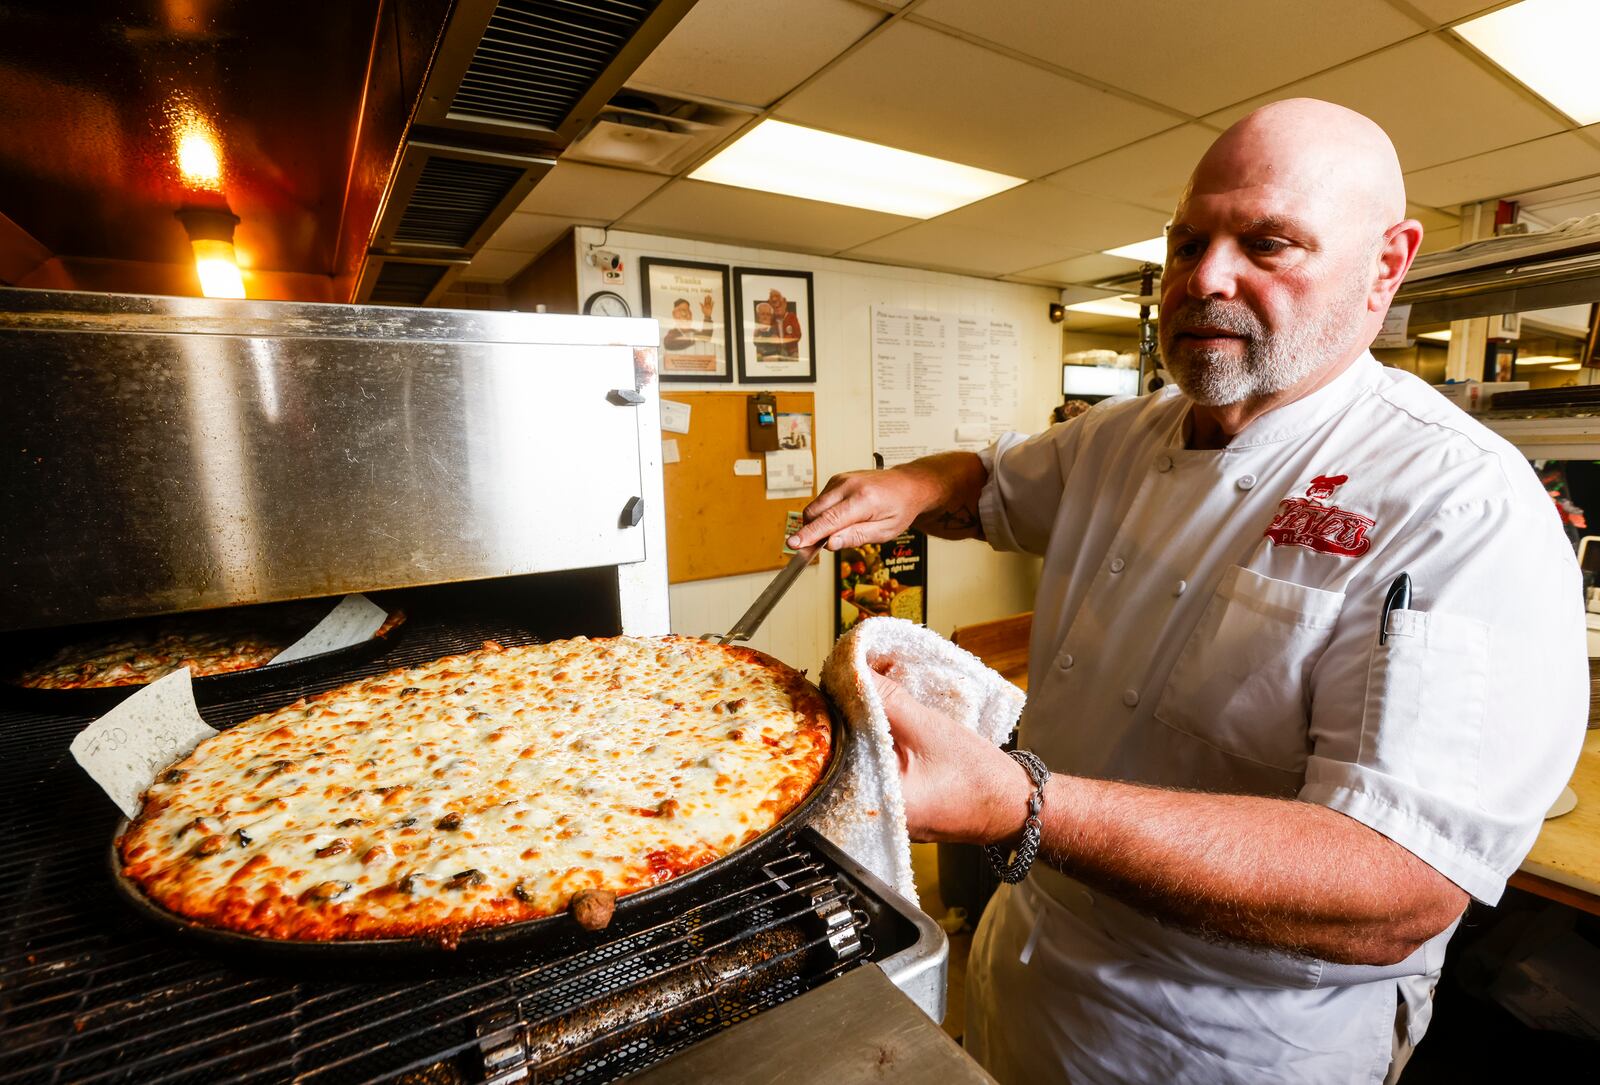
[(208, 643), (480, 789)]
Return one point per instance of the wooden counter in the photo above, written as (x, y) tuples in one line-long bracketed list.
[(1564, 864)]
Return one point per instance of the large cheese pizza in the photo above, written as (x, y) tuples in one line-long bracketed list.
[(479, 789), (210, 642)]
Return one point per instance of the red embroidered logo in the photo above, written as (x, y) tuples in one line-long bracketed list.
[(1328, 529)]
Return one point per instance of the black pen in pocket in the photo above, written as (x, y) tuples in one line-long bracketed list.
[(1398, 597)]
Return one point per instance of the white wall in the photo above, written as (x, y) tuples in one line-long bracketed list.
[(967, 582)]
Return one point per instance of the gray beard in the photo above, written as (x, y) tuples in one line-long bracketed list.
[(1271, 361)]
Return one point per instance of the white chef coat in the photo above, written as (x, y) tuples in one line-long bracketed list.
[(1209, 620)]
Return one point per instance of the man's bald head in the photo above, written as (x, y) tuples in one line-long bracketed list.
[(1332, 155), (1286, 246)]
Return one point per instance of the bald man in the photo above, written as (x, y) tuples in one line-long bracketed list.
[(1308, 659)]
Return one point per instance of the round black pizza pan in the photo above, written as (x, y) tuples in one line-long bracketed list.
[(208, 688), (506, 935)]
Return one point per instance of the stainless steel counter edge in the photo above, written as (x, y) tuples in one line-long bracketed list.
[(919, 970)]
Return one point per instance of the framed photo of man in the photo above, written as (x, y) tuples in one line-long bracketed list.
[(691, 302), (777, 326)]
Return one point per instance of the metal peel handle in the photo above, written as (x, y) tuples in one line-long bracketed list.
[(746, 626)]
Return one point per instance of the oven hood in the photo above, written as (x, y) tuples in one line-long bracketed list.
[(368, 148)]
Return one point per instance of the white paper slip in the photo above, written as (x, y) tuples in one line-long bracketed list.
[(674, 416), (789, 473), (354, 620), (974, 431), (669, 451), (747, 467), (1393, 334), (125, 749)]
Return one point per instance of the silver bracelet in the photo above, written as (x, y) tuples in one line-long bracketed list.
[(1011, 867)]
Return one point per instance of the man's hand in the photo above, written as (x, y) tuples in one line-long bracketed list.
[(957, 787), (937, 493), (862, 507)]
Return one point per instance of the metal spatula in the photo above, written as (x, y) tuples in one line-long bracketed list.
[(746, 626)]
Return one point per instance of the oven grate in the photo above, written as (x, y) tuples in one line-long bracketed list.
[(89, 992)]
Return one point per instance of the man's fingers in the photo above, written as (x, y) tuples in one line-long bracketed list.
[(849, 508), (871, 531)]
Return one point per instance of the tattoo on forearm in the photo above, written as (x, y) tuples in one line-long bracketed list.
[(961, 519)]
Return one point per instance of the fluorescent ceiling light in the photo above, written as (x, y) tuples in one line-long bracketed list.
[(1153, 251), (1569, 367), (1549, 46), (1443, 337), (775, 156), (1545, 359), (1108, 307)]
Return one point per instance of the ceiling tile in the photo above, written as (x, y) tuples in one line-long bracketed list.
[(1064, 219), (925, 91), (528, 234), (495, 265), (1506, 172), (1150, 173), (1451, 106), (1172, 51), (577, 190), (753, 54), (940, 245), (1450, 11), (1082, 269), (743, 216)]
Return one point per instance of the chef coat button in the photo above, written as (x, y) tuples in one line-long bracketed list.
[(1130, 697), (1164, 464), (1066, 662), (1183, 586), (1117, 565), (1246, 481)]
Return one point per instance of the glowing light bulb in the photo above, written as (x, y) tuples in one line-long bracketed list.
[(218, 267)]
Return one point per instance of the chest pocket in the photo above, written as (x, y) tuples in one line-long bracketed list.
[(1240, 684)]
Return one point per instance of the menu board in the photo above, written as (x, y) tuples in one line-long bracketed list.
[(941, 381)]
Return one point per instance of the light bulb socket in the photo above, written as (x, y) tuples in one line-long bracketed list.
[(208, 224)]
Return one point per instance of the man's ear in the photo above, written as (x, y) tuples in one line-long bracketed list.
[(1399, 248)]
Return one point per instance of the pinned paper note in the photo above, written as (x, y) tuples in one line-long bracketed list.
[(354, 620), (1394, 333), (790, 473), (674, 416), (972, 433), (669, 451), (126, 748), (747, 467)]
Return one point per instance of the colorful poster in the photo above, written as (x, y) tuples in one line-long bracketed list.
[(882, 579)]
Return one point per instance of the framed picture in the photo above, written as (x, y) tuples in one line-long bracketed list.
[(777, 327), (882, 578), (691, 302)]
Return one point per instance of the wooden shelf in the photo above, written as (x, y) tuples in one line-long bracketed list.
[(1561, 438)]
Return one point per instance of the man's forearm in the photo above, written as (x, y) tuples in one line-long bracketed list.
[(956, 480), (1275, 873)]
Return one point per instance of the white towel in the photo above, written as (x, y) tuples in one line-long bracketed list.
[(866, 814)]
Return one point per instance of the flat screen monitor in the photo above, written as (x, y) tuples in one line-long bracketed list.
[(1098, 380)]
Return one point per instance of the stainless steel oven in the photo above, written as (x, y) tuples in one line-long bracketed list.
[(495, 475)]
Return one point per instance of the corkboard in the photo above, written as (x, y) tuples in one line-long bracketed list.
[(719, 523)]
